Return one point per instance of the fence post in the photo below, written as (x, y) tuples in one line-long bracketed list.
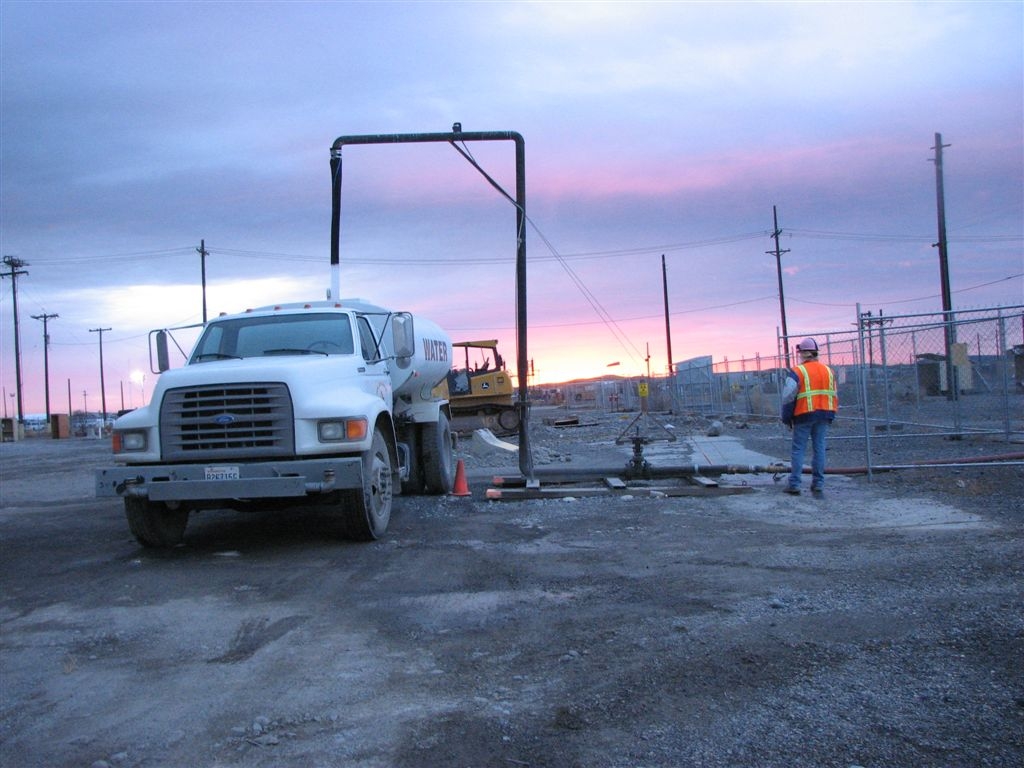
[(952, 375), (917, 373), (864, 392), (885, 370), (760, 384), (1003, 357)]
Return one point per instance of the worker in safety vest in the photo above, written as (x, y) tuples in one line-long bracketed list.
[(809, 405)]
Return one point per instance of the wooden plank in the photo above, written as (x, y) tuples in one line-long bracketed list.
[(718, 490)]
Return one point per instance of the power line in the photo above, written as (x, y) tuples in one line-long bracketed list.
[(814, 234), (918, 298), (582, 255), (575, 278), (131, 256)]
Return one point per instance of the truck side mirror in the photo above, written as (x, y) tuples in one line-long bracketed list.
[(163, 361), (403, 335)]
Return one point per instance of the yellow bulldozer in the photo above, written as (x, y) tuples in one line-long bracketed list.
[(480, 393)]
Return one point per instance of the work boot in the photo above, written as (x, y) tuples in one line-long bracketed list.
[(818, 493), (792, 491)]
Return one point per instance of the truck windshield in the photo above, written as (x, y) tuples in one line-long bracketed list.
[(263, 336)]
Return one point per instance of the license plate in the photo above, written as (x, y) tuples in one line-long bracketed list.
[(221, 473)]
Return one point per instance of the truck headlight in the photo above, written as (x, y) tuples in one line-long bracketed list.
[(341, 430), (129, 441)]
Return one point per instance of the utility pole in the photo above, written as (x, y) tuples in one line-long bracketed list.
[(202, 261), (103, 387), (15, 265), (46, 359), (778, 266), (952, 384)]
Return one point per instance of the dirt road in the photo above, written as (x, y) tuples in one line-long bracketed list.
[(878, 627)]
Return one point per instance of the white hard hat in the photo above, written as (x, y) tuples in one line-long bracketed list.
[(808, 345)]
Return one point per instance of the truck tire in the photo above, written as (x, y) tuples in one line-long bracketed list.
[(365, 512), (438, 456), (153, 524)]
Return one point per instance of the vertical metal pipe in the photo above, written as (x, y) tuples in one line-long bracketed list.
[(525, 454), (335, 222)]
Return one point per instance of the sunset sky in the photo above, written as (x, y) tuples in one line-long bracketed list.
[(131, 131)]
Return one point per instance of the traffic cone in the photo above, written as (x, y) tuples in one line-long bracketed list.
[(461, 486)]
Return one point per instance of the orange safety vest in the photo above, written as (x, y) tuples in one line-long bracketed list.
[(817, 389)]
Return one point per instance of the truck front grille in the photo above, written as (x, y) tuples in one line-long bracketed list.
[(228, 421)]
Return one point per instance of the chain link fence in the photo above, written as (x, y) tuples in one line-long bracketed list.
[(905, 375)]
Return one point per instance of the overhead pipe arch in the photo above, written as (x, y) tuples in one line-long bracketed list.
[(456, 135)]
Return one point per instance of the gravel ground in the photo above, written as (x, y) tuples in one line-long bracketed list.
[(880, 627), (996, 491)]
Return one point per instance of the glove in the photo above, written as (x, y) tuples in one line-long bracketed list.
[(787, 414)]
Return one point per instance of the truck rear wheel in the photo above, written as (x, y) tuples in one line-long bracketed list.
[(438, 456), (154, 524), (365, 513)]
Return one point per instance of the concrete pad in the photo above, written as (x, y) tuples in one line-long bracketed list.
[(702, 450), (725, 449)]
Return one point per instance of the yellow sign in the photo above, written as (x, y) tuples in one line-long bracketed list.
[(642, 388)]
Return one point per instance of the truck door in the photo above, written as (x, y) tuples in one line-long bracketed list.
[(378, 380)]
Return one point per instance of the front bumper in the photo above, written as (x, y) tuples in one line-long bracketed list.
[(255, 480)]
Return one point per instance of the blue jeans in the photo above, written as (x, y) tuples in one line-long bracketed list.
[(816, 432)]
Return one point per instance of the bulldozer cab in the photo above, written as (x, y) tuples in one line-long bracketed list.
[(478, 357), (479, 389)]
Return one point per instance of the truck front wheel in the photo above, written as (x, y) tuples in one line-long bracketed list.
[(153, 524), (365, 513)]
